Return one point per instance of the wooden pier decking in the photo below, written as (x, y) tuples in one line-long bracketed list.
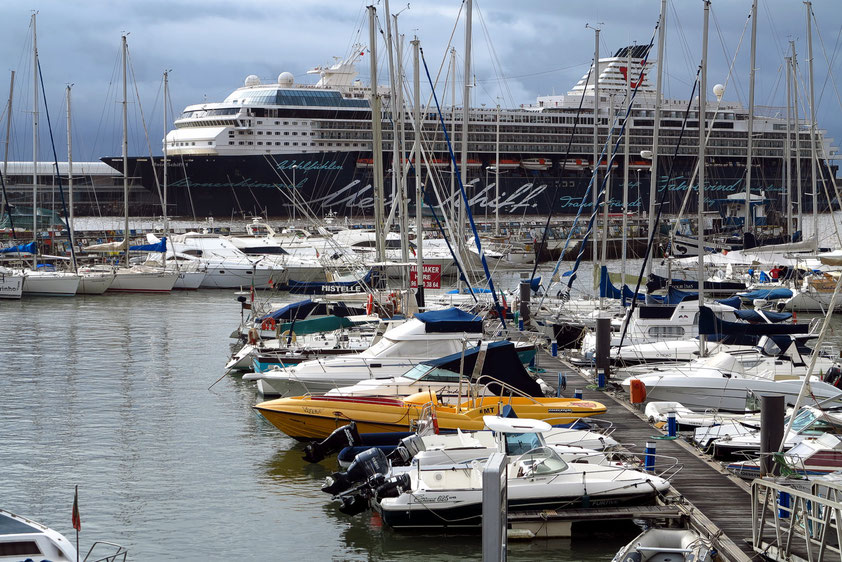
[(717, 504)]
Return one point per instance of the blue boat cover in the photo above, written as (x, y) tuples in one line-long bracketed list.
[(752, 315), (157, 247), (291, 311), (535, 284), (709, 324), (450, 320), (19, 249), (675, 296), (768, 294), (608, 290)]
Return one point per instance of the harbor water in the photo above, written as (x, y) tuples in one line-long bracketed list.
[(111, 393)]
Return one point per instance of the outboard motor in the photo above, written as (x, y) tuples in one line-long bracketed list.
[(345, 436), (367, 464), (394, 487), (408, 448), (834, 376)]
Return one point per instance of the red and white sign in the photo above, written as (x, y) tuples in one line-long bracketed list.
[(432, 277)]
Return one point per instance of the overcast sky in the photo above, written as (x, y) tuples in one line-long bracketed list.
[(520, 50)]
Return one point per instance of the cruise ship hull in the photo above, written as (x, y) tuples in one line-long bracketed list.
[(247, 185)]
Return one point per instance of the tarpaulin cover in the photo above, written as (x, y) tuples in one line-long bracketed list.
[(19, 249), (768, 294), (709, 324), (450, 320), (157, 247), (298, 310), (501, 362), (755, 316)]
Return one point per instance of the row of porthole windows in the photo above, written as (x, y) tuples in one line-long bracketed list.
[(260, 143)]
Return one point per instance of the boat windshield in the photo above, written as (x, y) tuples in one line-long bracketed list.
[(520, 443), (539, 461), (803, 420), (426, 373)]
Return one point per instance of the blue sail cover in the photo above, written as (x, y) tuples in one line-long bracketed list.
[(608, 290), (19, 249), (675, 296), (751, 315), (709, 324), (291, 311), (768, 294), (158, 247), (450, 320)]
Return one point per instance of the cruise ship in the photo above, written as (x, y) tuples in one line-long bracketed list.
[(269, 144)]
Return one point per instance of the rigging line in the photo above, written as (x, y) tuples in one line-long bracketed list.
[(829, 77), (143, 124), (561, 174), (650, 245), (737, 85), (467, 206), (531, 74), (686, 50), (607, 178), (495, 60), (58, 175)]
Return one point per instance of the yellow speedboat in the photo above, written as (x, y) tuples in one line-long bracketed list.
[(315, 417)]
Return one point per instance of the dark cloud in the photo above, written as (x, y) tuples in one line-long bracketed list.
[(520, 50)]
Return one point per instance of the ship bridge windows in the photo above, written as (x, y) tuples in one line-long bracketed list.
[(300, 97)]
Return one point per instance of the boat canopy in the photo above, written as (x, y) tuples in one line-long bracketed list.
[(450, 320), (291, 311), (502, 362), (19, 249)]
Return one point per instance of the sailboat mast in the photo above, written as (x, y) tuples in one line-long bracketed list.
[(799, 190), (70, 172), (653, 172), (813, 155), (453, 199), (497, 176), (750, 141), (8, 136), (34, 142), (125, 153), (466, 104), (377, 140), (788, 150), (164, 160), (626, 149), (397, 197), (702, 129), (416, 156), (595, 180)]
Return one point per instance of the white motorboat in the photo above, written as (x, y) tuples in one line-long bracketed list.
[(11, 283), (427, 336), (143, 279), (667, 545), (812, 456), (22, 538), (226, 267), (537, 478), (49, 283)]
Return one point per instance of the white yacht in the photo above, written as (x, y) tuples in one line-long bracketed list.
[(22, 538), (11, 283), (49, 283)]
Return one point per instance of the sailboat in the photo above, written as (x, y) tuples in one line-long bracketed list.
[(42, 281), (135, 278)]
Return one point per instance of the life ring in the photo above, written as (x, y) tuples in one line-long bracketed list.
[(268, 324)]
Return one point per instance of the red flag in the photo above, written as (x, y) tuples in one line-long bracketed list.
[(77, 521)]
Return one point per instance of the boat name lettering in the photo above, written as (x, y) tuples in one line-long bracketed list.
[(314, 411), (559, 410), (444, 498), (307, 165)]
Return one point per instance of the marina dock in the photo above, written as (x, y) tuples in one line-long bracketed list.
[(717, 504)]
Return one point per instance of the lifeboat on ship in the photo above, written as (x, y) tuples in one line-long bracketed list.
[(540, 164), (505, 164)]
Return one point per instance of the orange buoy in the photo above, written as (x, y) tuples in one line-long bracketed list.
[(637, 391)]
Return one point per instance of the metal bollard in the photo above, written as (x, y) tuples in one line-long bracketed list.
[(672, 424), (520, 324), (554, 349), (562, 385), (783, 501), (649, 457), (577, 394)]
